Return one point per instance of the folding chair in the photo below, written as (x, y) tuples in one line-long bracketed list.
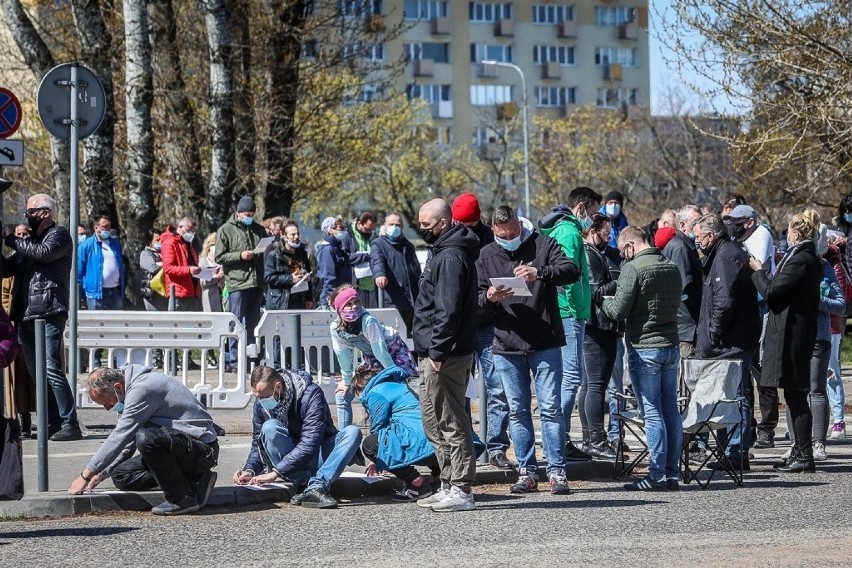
[(714, 409), (628, 421)]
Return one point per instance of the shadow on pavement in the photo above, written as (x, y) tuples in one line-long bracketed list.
[(569, 503), (50, 533)]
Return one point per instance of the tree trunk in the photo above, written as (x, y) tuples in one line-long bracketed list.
[(282, 84), (223, 163), (181, 147), (40, 60), (139, 164), (244, 109), (96, 42)]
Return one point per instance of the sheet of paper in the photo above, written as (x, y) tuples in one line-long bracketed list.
[(263, 245), (301, 285), (361, 476), (205, 274), (518, 285), (265, 486)]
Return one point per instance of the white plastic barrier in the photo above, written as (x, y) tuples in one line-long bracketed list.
[(138, 336)]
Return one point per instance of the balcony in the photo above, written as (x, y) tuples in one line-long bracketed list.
[(423, 67), (444, 109), (568, 109), (504, 28), (374, 24), (629, 31), (506, 111), (612, 72), (567, 29), (440, 26), (551, 70)]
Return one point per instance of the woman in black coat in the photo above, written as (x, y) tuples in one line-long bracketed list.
[(792, 298)]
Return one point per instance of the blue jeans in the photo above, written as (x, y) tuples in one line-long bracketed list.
[(111, 299), (740, 441), (343, 403), (497, 433), (245, 305), (333, 457), (616, 385), (573, 367), (514, 370), (61, 406), (835, 392), (654, 376)]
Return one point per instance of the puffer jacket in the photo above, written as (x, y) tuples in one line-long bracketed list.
[(395, 416), (647, 297), (233, 238), (565, 229), (602, 283), (42, 271), (178, 257)]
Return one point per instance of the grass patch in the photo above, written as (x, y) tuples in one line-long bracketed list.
[(846, 351)]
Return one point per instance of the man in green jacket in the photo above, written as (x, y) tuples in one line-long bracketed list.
[(235, 243), (648, 296), (566, 224)]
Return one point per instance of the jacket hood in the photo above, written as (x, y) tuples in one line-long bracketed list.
[(170, 236), (459, 236), (390, 375), (557, 214)]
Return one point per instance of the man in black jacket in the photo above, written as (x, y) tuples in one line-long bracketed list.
[(528, 338), (681, 250), (42, 275), (729, 322), (445, 339), (396, 269)]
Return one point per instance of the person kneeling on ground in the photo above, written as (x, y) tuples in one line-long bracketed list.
[(294, 438), (397, 441), (174, 434)]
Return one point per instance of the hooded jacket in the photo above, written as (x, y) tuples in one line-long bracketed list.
[(618, 225), (526, 324), (563, 227), (178, 256), (333, 268), (396, 261), (233, 238), (445, 311)]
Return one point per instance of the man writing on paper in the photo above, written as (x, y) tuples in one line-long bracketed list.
[(528, 337)]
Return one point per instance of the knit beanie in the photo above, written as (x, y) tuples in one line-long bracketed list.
[(246, 205), (614, 196), (466, 209)]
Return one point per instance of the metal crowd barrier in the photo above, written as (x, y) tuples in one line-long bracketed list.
[(141, 337)]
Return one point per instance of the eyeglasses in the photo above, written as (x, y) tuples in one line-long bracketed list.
[(33, 211)]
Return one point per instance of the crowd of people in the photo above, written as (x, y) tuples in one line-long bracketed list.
[(562, 306)]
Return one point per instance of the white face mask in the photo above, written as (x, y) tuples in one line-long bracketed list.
[(188, 236), (212, 252)]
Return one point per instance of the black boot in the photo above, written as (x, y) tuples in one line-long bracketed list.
[(798, 463), (599, 447), (26, 425)]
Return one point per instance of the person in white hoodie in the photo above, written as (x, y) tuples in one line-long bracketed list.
[(174, 434)]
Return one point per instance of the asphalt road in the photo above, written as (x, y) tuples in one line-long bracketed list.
[(774, 520)]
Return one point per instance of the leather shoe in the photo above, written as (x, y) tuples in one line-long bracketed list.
[(573, 453), (500, 461), (318, 499), (796, 464)]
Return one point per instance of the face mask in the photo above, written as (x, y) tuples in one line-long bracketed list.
[(293, 245), (248, 221), (341, 236), (629, 256), (510, 245), (104, 235), (353, 315), (613, 209), (34, 224), (157, 246), (118, 407), (393, 232), (428, 235), (188, 236), (690, 235), (585, 223), (736, 230), (847, 217), (269, 403), (212, 252)]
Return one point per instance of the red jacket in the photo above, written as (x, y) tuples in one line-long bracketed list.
[(178, 256)]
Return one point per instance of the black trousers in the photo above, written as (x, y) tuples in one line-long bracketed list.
[(599, 349), (767, 398), (370, 447), (802, 421), (168, 459)]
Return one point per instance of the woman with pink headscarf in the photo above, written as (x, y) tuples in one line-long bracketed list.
[(380, 345)]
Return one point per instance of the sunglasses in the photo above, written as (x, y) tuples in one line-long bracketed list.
[(33, 211)]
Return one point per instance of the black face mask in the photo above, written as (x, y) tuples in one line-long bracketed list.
[(428, 235), (34, 223), (736, 230)]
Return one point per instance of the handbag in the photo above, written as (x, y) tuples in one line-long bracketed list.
[(11, 460), (158, 283)]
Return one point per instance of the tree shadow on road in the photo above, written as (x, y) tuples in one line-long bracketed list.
[(71, 532)]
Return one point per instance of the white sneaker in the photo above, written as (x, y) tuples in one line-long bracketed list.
[(786, 455), (457, 500), (436, 497), (819, 451)]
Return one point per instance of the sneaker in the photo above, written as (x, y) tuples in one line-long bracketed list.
[(524, 484), (819, 451), (318, 498), (412, 493), (613, 443), (298, 495), (696, 457), (500, 461), (573, 453), (672, 484), (559, 484), (457, 500), (647, 484), (67, 434), (204, 487), (786, 455), (188, 504), (764, 440), (838, 431), (436, 497)]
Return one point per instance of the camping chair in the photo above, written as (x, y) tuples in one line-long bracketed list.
[(628, 421), (714, 410)]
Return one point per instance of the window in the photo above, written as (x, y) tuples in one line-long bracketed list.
[(613, 98), (424, 9), (432, 94), (359, 8), (482, 95), (490, 12), (613, 15), (547, 14), (444, 135), (555, 96), (547, 53), (373, 52), (626, 56), (370, 93), (483, 135), (310, 48), (437, 52), (480, 52)]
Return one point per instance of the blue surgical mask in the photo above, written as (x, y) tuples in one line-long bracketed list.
[(158, 246), (585, 223), (118, 407), (341, 236), (613, 210), (270, 403), (188, 236), (510, 245), (248, 220), (847, 217), (104, 235), (691, 236), (393, 232)]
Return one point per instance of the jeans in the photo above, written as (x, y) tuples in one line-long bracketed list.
[(740, 441), (333, 457), (61, 404), (245, 305), (817, 395), (407, 473), (573, 367), (654, 376), (497, 432), (168, 459), (599, 349), (835, 392), (616, 385), (514, 370), (343, 403), (111, 299)]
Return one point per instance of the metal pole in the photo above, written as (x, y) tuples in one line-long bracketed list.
[(74, 220), (526, 130), (294, 324), (172, 362), (41, 402)]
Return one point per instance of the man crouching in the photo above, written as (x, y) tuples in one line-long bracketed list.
[(174, 434), (293, 437)]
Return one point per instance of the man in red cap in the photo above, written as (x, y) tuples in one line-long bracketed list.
[(466, 211)]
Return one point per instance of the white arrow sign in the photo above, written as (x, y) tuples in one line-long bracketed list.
[(11, 152)]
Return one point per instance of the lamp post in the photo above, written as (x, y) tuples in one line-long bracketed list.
[(526, 129)]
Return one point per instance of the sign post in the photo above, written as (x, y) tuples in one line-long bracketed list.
[(72, 105)]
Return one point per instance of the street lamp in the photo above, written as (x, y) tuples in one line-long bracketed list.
[(526, 128)]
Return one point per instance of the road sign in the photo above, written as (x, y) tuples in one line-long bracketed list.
[(11, 153), (10, 113), (54, 101)]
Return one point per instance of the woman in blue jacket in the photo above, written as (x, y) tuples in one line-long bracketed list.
[(397, 441)]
